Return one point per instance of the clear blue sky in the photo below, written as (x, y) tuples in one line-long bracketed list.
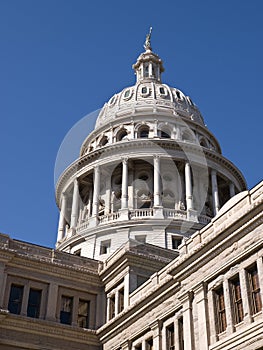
[(62, 59)]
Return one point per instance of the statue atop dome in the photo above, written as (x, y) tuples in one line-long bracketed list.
[(147, 44)]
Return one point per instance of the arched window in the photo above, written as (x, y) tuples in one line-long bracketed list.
[(122, 134), (164, 133), (103, 141), (143, 132), (203, 143)]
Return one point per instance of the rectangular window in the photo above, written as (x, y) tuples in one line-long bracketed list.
[(220, 310), (138, 347), (66, 310), (121, 300), (141, 280), (149, 344), (112, 307), (176, 242), (34, 300), (105, 247), (83, 313), (254, 290), (15, 299), (170, 337), (181, 333), (237, 300)]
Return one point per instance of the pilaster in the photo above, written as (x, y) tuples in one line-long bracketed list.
[(52, 302), (203, 324), (186, 301)]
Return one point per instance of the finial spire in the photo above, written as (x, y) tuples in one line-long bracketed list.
[(147, 44)]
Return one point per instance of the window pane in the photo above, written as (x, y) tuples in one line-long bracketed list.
[(66, 310), (83, 313), (220, 310), (15, 299), (237, 300), (34, 301), (254, 290)]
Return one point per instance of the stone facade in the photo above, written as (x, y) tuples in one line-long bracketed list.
[(176, 306), (159, 243)]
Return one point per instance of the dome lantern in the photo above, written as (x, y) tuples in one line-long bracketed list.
[(148, 66)]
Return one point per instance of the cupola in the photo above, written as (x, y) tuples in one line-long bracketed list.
[(148, 66)]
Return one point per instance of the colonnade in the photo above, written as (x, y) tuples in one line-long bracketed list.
[(94, 194)]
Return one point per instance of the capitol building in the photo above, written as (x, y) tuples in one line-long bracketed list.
[(159, 243)]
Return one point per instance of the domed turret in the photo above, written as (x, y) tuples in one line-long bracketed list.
[(150, 171)]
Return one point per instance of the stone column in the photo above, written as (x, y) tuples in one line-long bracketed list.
[(108, 195), (62, 217), (124, 186), (229, 317), (52, 302), (232, 189), (75, 205), (216, 205), (201, 300), (150, 69), (157, 181), (188, 321), (188, 186), (90, 202), (96, 193), (131, 203)]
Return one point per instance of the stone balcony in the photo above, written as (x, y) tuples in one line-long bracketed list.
[(138, 214)]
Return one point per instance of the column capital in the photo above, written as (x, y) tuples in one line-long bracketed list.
[(213, 172), (125, 160)]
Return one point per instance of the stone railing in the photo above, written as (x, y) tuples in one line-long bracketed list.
[(83, 226), (175, 214), (109, 217), (203, 219), (141, 213)]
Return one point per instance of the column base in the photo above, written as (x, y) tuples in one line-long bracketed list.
[(124, 214), (93, 221), (158, 212), (192, 215)]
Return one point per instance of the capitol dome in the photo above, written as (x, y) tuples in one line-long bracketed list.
[(150, 171)]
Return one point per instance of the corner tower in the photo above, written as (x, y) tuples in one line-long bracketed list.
[(150, 171)]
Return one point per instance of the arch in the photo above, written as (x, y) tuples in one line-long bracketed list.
[(188, 135), (143, 132), (203, 142), (103, 141), (164, 131), (122, 135)]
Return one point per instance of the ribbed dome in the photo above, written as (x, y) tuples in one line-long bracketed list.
[(149, 95), (152, 95)]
